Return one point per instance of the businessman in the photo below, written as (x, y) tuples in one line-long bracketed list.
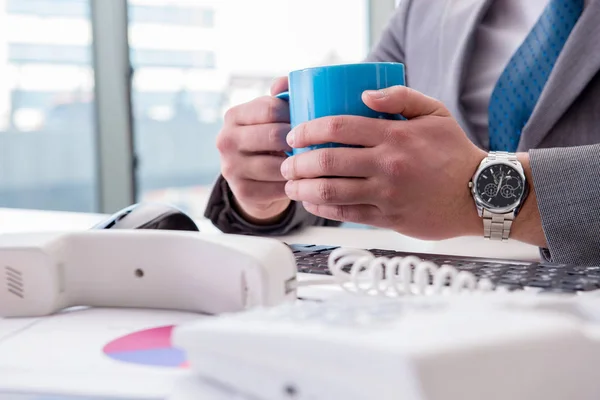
[(510, 80)]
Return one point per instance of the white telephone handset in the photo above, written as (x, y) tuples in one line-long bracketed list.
[(43, 273)]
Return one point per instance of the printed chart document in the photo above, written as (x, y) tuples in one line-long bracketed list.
[(112, 353)]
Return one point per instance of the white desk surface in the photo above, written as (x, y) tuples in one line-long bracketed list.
[(12, 220), (62, 354)]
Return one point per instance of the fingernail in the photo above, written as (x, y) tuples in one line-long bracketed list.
[(285, 169), (290, 138), (375, 94), (289, 189)]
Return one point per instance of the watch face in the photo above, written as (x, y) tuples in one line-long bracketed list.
[(499, 186)]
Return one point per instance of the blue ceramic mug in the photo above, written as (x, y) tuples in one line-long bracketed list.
[(337, 90)]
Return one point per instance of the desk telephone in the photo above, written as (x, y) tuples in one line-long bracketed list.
[(404, 328), (422, 327), (470, 346)]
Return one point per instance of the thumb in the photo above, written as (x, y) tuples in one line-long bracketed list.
[(404, 101), (279, 85)]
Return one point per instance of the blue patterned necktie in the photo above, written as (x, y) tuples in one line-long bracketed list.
[(520, 85)]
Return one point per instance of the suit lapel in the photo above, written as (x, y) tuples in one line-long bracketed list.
[(461, 18), (577, 64)]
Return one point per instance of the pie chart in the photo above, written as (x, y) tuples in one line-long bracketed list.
[(151, 347)]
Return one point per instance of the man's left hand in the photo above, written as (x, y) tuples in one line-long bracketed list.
[(409, 175)]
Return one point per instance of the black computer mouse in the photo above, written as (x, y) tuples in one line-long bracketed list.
[(149, 216)]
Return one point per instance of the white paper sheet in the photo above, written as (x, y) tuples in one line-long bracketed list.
[(63, 354), (9, 327)]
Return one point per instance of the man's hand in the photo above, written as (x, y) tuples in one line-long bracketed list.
[(252, 144), (410, 176)]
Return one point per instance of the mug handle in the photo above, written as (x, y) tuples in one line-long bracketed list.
[(285, 96)]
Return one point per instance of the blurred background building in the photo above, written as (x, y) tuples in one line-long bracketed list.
[(191, 60)]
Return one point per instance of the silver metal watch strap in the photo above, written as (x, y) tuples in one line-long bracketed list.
[(497, 226), (502, 155)]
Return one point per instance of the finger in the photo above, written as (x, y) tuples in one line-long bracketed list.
[(337, 191), (254, 191), (342, 161), (360, 213), (404, 101), (263, 110), (265, 137), (344, 129), (266, 168), (279, 85)]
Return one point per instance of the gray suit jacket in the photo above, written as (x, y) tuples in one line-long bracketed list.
[(434, 39)]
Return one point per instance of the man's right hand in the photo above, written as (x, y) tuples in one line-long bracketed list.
[(252, 145)]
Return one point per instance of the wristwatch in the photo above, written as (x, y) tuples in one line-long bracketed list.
[(499, 188)]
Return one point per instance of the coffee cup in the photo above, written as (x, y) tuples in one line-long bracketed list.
[(337, 90)]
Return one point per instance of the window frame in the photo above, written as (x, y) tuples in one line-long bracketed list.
[(114, 133)]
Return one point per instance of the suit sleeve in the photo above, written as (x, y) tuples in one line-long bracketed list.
[(567, 186), (220, 210), (222, 213)]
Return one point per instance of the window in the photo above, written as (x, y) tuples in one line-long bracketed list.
[(173, 15), (190, 61), (47, 150), (49, 8), (24, 54), (194, 59), (143, 58)]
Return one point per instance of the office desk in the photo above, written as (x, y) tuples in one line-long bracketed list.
[(12, 220), (64, 353), (17, 220)]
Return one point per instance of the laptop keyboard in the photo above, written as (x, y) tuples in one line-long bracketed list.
[(513, 275)]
